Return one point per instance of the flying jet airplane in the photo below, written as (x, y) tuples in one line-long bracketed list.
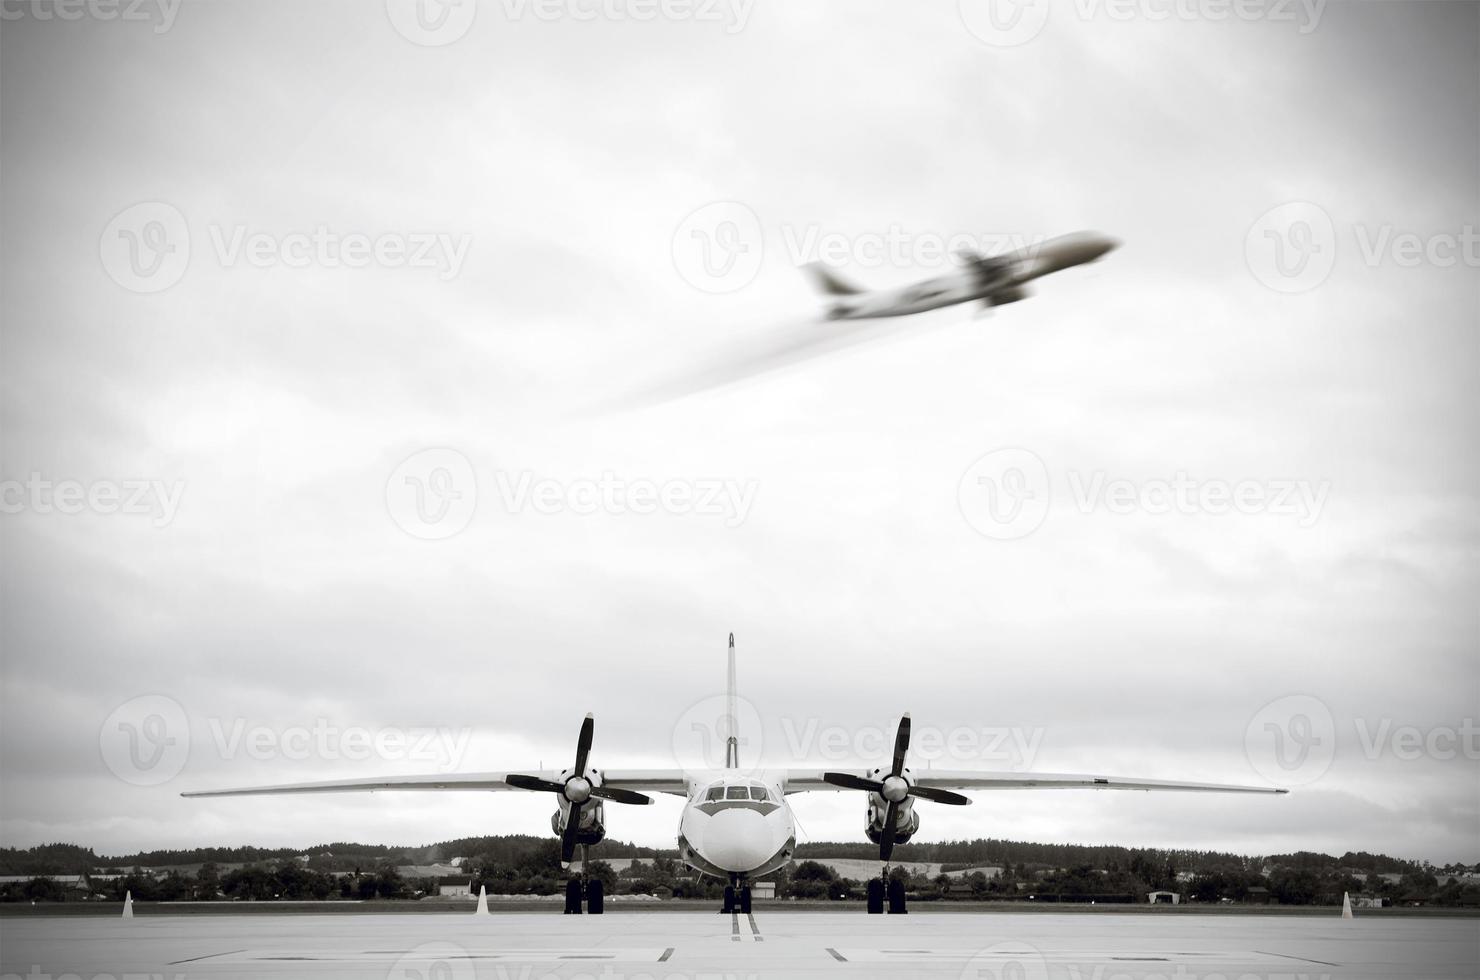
[(736, 825), (995, 281), (864, 315)]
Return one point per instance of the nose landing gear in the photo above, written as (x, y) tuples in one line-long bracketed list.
[(737, 897), (584, 887), (886, 890)]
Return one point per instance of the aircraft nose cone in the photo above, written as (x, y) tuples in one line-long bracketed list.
[(736, 840)]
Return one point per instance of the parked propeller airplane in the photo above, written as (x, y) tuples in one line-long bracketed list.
[(737, 826), (995, 281)]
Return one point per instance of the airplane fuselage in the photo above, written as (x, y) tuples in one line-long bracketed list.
[(996, 286)]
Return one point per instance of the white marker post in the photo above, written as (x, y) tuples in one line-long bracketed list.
[(1346, 905), (482, 900), (128, 905)]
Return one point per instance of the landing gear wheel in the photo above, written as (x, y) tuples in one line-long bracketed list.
[(595, 897), (745, 900), (875, 897), (729, 900), (573, 897), (896, 897)]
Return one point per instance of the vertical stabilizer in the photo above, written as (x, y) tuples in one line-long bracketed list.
[(732, 716)]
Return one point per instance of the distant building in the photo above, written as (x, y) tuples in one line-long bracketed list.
[(763, 889), (1258, 895), (1164, 898), (455, 888)]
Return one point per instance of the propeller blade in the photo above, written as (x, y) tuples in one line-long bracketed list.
[(568, 836), (939, 795), (620, 795), (901, 744), (891, 820), (849, 781), (520, 781), (583, 745)]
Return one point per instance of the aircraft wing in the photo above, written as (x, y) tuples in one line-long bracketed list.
[(641, 780), (807, 780)]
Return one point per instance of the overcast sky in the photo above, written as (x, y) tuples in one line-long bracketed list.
[(560, 208)]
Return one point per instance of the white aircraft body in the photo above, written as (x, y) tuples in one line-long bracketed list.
[(736, 825), (995, 281)]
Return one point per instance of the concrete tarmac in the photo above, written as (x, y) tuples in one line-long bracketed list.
[(774, 942)]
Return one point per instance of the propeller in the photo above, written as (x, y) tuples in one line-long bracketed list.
[(577, 790), (894, 788)]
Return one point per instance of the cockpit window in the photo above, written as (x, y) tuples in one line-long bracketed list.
[(735, 793), (716, 792), (757, 792)]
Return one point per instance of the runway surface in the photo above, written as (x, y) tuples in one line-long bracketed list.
[(772, 943)]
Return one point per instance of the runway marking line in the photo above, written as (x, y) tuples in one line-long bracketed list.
[(197, 959), (1301, 959), (734, 927), (666, 953), (836, 955), (755, 930)]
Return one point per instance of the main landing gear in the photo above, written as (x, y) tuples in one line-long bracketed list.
[(737, 897), (886, 890), (587, 887)]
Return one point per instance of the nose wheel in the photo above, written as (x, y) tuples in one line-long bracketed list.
[(584, 890), (886, 891), (737, 898)]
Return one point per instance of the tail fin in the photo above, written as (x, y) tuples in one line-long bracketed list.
[(829, 281), (732, 738)]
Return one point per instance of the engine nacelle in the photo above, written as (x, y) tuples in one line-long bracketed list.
[(592, 828), (907, 823)]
